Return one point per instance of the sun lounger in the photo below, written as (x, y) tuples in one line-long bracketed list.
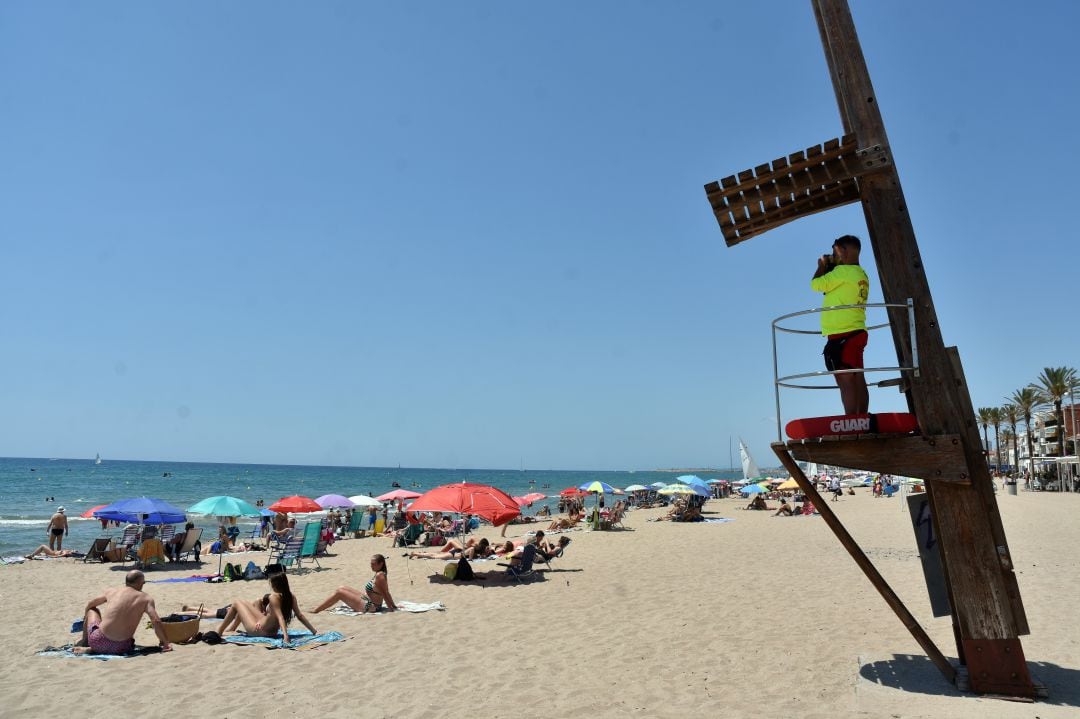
[(524, 569), (187, 549), (98, 549)]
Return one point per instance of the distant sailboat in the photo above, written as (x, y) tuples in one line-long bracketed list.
[(750, 469), (97, 459)]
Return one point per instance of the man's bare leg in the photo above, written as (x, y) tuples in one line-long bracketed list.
[(853, 393)]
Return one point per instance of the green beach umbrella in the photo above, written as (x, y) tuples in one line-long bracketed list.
[(677, 489), (224, 506)]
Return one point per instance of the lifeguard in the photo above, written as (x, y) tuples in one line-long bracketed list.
[(844, 282)]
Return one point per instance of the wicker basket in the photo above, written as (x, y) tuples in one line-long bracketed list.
[(179, 632)]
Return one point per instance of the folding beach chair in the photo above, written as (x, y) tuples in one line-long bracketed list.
[(557, 554), (98, 549), (309, 546), (524, 568), (187, 549), (127, 542)]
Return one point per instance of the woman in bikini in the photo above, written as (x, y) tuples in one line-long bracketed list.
[(453, 549), (376, 592), (280, 609)]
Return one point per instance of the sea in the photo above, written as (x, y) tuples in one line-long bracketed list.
[(31, 489)]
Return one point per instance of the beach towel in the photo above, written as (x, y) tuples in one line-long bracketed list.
[(68, 651), (716, 520), (12, 560), (192, 578), (411, 607), (302, 639)]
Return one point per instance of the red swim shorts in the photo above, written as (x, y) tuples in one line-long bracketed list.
[(845, 351)]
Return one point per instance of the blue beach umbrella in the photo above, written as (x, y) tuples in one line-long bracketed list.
[(753, 489), (688, 478), (142, 510), (224, 506)]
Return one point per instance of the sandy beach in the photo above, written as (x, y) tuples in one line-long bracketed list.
[(757, 617)]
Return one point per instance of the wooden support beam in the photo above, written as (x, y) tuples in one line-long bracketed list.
[(986, 603), (868, 568), (931, 458)]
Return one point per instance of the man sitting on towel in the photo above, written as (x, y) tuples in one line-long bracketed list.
[(115, 632)]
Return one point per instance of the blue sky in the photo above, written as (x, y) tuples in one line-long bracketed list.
[(475, 235)]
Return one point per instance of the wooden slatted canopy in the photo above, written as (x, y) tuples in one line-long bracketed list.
[(812, 180)]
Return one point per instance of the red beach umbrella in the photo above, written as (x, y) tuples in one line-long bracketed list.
[(296, 505), (535, 497), (571, 492), (89, 514), (397, 494), (490, 503)]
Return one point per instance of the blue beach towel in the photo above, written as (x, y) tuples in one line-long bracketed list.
[(297, 640), (174, 580), (68, 652), (718, 520)]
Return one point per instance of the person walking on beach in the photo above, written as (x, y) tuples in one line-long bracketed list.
[(114, 633), (58, 527), (843, 283)]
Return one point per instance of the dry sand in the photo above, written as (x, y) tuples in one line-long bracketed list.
[(758, 617)]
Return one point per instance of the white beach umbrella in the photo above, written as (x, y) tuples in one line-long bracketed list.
[(362, 500)]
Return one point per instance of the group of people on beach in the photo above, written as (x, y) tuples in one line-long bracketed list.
[(111, 618)]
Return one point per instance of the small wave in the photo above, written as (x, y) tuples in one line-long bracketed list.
[(23, 522)]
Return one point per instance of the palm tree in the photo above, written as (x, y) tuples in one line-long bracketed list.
[(1026, 400), (1053, 384), (1009, 437), (984, 420), (1011, 413), (996, 418)]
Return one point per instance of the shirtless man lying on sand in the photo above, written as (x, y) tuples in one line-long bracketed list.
[(115, 633)]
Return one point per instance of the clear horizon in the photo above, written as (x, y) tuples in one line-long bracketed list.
[(438, 235)]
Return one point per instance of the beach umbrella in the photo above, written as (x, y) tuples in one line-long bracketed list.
[(89, 514), (296, 505), (637, 488), (328, 501), (753, 489), (485, 502), (224, 506), (597, 487), (790, 484), (658, 485), (362, 500), (397, 494), (676, 488), (535, 497), (142, 510), (521, 501), (688, 479), (266, 512), (716, 481), (571, 492)]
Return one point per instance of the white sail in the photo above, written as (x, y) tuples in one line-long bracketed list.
[(749, 466), (97, 459)]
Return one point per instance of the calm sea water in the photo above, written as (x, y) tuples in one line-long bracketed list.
[(78, 485)]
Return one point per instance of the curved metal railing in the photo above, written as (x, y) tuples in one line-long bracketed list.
[(789, 380)]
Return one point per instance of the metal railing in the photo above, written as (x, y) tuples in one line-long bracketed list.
[(788, 380)]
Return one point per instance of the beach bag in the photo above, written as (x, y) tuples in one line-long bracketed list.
[(237, 572), (227, 575), (450, 571), (464, 571), (253, 572)]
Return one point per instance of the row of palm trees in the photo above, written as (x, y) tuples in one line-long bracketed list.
[(1049, 389)]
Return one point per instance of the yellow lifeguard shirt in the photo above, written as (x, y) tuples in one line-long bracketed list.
[(843, 285)]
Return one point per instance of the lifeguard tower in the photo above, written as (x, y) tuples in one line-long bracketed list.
[(983, 596)]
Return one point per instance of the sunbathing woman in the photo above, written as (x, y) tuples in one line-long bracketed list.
[(201, 610), (565, 522), (48, 552), (376, 592), (280, 609), (453, 549)]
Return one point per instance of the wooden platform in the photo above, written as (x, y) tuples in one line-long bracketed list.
[(939, 458)]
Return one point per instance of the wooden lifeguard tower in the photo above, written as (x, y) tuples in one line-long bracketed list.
[(983, 596)]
